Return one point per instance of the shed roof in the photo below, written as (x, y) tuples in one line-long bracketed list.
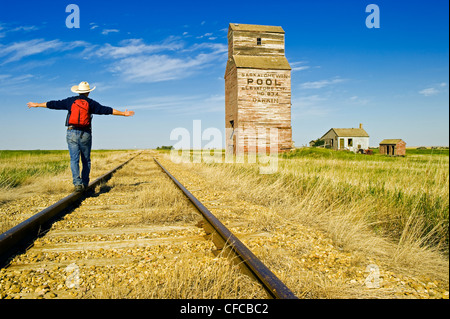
[(255, 28), (261, 62), (392, 141)]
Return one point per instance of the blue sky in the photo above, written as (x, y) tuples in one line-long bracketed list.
[(166, 61)]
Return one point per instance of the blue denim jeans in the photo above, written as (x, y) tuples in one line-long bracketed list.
[(80, 144)]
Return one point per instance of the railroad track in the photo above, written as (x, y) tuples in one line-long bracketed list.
[(138, 236)]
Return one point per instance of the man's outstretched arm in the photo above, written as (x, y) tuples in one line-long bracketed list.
[(114, 111), (32, 104), (126, 113)]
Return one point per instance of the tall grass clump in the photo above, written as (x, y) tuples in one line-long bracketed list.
[(395, 188)]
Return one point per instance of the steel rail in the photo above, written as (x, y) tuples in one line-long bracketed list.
[(20, 236), (271, 283)]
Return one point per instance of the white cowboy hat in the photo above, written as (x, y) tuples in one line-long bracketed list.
[(83, 87)]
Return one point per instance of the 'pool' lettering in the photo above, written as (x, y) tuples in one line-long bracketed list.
[(268, 82)]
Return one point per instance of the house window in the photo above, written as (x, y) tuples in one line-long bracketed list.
[(258, 41), (350, 142)]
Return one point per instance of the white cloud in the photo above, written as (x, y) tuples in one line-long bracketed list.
[(172, 102), (24, 28), (299, 66), (157, 68), (186, 104), (216, 47), (132, 59), (154, 68), (18, 50), (434, 89), (429, 92), (12, 84), (137, 61), (107, 31), (4, 29), (206, 35), (321, 84), (7, 79), (136, 46), (357, 100)]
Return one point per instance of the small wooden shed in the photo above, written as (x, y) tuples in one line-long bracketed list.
[(394, 147)]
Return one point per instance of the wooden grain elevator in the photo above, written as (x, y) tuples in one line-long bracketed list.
[(257, 90)]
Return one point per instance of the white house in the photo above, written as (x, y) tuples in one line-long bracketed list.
[(352, 139)]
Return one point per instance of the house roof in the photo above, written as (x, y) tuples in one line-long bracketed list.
[(255, 28), (391, 141), (348, 132), (357, 132), (261, 62)]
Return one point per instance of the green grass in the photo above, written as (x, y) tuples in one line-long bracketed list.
[(17, 167), (332, 154), (412, 151), (322, 153), (18, 154), (13, 177)]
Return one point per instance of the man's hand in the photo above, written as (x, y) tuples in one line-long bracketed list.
[(126, 113), (32, 104)]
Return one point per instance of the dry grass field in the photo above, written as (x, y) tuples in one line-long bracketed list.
[(136, 238), (317, 222), (33, 180), (391, 211)]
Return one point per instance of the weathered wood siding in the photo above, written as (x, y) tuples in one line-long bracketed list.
[(257, 99), (231, 107), (398, 149), (264, 99), (401, 148), (245, 43)]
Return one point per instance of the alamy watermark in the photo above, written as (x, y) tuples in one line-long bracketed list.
[(73, 19), (373, 279), (373, 19), (73, 277), (242, 145)]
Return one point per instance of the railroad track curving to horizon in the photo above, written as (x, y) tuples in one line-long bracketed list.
[(140, 235)]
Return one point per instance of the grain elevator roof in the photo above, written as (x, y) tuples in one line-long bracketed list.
[(255, 28)]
